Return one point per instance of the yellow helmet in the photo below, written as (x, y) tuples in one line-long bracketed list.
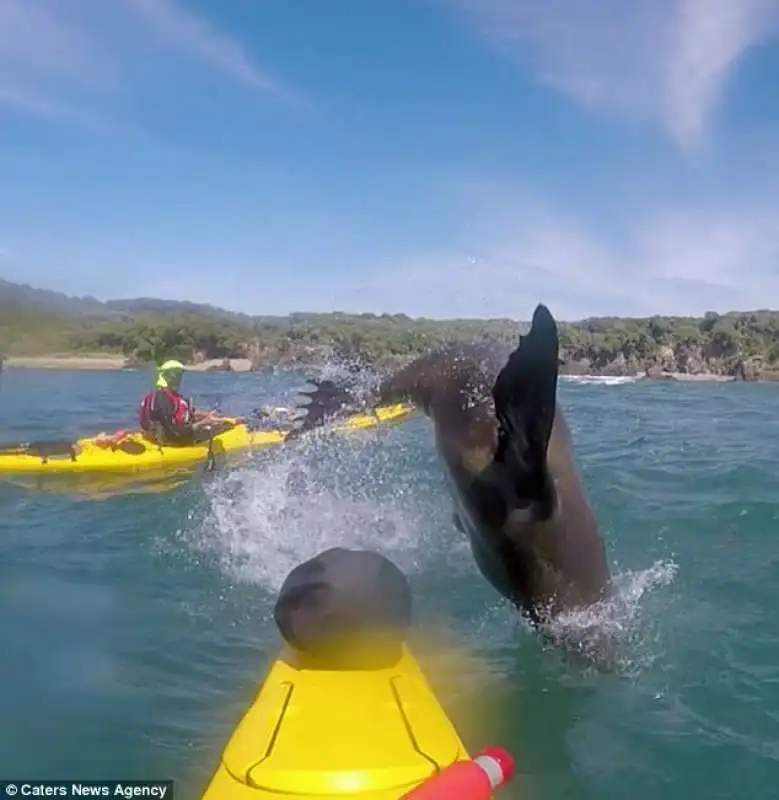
[(170, 372)]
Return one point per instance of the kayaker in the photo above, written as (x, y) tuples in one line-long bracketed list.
[(168, 418)]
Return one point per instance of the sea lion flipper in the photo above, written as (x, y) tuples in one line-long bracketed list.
[(525, 395), (328, 401)]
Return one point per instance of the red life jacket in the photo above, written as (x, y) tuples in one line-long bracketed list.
[(163, 408)]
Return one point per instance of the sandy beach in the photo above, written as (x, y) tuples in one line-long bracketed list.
[(65, 362), (107, 363)]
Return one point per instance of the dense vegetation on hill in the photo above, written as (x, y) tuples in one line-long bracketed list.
[(33, 322)]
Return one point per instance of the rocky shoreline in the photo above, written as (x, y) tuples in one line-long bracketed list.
[(674, 364)]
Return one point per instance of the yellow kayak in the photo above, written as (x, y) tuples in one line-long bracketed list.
[(103, 485), (133, 453), (364, 734)]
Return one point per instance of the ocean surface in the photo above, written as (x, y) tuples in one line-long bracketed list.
[(135, 629)]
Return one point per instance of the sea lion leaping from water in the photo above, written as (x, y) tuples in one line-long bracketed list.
[(507, 454)]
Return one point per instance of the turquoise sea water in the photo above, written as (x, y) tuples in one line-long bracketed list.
[(135, 629)]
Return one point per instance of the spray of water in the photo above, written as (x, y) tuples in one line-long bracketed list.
[(617, 633), (263, 520), (382, 490)]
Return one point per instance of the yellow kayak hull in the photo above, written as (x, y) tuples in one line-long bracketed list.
[(136, 454), (103, 485), (368, 734)]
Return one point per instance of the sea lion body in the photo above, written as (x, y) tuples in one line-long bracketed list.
[(544, 566), (507, 453)]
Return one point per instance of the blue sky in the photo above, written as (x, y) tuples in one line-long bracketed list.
[(435, 157)]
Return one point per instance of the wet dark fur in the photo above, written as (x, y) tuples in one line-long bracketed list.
[(507, 454)]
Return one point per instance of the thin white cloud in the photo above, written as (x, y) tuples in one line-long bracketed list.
[(42, 56), (664, 60), (182, 29), (707, 39), (521, 251), (723, 249), (60, 48), (29, 101), (61, 60)]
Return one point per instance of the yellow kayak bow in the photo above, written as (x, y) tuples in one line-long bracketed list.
[(363, 734)]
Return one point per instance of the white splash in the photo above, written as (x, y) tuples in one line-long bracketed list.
[(617, 631), (263, 521), (604, 380), (371, 490)]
